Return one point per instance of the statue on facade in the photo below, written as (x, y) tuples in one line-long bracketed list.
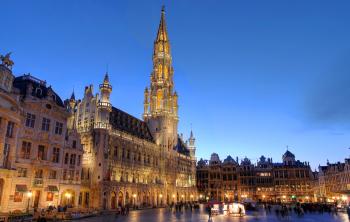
[(6, 60)]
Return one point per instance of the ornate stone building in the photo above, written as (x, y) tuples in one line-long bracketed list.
[(132, 161), (40, 156), (288, 181), (334, 182)]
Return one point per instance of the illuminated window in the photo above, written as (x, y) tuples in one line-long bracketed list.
[(49, 196), (25, 150), (18, 197)]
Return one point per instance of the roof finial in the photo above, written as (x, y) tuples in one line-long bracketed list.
[(72, 97), (163, 8)]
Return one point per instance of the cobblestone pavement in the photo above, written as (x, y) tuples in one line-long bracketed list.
[(163, 215)]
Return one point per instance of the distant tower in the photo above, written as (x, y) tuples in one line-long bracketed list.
[(104, 105), (160, 103), (191, 145), (71, 109)]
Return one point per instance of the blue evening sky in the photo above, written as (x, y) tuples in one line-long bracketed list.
[(252, 76)]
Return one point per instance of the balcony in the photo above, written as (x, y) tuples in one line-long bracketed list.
[(106, 86), (105, 105), (38, 182), (100, 125)]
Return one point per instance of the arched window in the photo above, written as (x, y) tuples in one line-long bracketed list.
[(159, 99)]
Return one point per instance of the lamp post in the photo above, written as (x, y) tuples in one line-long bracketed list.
[(29, 195)]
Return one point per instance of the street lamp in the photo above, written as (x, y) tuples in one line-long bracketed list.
[(29, 195)]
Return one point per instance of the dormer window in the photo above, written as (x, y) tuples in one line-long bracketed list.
[(38, 92)]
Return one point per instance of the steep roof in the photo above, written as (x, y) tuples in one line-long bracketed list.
[(39, 88), (288, 154), (181, 147), (125, 122)]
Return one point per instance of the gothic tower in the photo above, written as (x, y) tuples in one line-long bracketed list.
[(104, 105), (192, 145), (160, 103)]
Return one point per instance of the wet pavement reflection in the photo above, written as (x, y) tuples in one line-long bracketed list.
[(164, 215)]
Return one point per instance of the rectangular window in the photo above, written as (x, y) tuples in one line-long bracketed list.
[(56, 155), (25, 150), (66, 158), (74, 144), (18, 197), (45, 126), (87, 199), (71, 175), (6, 162), (10, 128), (30, 120), (72, 159), (58, 128), (80, 200), (21, 172), (39, 173), (52, 174), (64, 174), (79, 160), (41, 152), (49, 196), (77, 175)]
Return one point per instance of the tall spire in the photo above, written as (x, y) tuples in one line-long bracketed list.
[(162, 34), (160, 104)]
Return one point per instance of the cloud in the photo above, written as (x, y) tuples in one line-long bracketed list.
[(328, 101)]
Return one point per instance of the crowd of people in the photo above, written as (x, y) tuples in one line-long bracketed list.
[(300, 209), (183, 206)]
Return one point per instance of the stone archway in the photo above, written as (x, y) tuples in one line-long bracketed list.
[(120, 199), (113, 200)]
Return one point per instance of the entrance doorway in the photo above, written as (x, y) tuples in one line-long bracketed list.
[(113, 200), (36, 199)]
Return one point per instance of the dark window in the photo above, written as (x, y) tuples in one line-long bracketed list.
[(66, 158), (10, 128), (58, 128), (45, 126), (41, 152), (30, 120), (56, 155)]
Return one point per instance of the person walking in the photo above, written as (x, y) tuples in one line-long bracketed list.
[(209, 212)]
